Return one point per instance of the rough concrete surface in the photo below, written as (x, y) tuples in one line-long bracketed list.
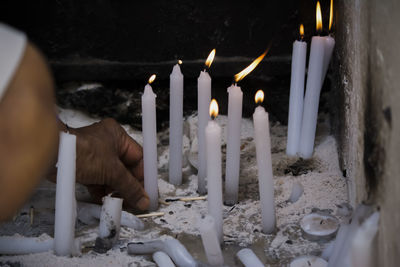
[(368, 60)]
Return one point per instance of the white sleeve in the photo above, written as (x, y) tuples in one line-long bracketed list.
[(12, 48)]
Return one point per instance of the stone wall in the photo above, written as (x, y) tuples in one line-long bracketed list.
[(368, 118)]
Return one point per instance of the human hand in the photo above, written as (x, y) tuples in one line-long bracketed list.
[(108, 160)]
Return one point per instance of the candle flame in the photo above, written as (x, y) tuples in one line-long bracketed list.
[(213, 109), (319, 17), (180, 62), (331, 16), (152, 78), (259, 97), (301, 31), (210, 58), (249, 68)]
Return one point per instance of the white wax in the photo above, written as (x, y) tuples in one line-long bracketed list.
[(233, 145), (210, 241), (110, 218), (162, 259), (203, 103), (264, 165), (214, 198), (248, 258), (362, 244), (308, 261), (15, 245), (311, 100), (175, 125), (296, 97), (329, 45), (65, 214), (149, 128), (89, 213)]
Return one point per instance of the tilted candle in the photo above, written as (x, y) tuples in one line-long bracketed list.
[(296, 94), (313, 90), (264, 165), (175, 125), (149, 128)]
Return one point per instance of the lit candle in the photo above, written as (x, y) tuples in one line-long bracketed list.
[(232, 170), (264, 164), (329, 44), (65, 214), (175, 125), (313, 90), (296, 94), (210, 240), (203, 103), (213, 150), (149, 128)]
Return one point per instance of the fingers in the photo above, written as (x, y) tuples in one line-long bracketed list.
[(131, 154), (129, 187)]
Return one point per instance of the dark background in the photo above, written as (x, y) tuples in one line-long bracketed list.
[(121, 43)]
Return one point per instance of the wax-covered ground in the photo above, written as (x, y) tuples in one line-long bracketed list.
[(321, 177)]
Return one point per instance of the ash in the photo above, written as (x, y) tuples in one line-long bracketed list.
[(324, 189)]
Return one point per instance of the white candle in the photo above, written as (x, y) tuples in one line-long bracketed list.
[(233, 144), (248, 258), (65, 214), (264, 164), (213, 150), (329, 45), (149, 128), (162, 259), (311, 100), (175, 125), (110, 218), (313, 90), (296, 95), (210, 240), (16, 245), (308, 261), (203, 103)]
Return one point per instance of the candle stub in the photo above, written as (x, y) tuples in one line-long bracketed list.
[(308, 261), (316, 226)]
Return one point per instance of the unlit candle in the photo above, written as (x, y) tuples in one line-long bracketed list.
[(248, 258), (233, 144), (65, 214)]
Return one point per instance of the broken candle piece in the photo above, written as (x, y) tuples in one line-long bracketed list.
[(248, 258), (308, 261)]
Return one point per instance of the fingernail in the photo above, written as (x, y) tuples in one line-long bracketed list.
[(143, 203)]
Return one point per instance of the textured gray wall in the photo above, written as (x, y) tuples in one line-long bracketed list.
[(367, 82)]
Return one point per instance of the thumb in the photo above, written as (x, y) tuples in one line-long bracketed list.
[(129, 187)]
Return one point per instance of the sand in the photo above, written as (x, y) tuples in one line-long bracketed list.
[(322, 180)]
